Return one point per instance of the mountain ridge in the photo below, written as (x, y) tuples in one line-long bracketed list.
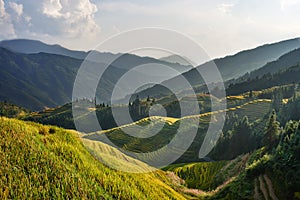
[(231, 66)]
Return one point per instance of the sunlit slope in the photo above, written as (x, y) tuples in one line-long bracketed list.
[(209, 176), (47, 162), (255, 110)]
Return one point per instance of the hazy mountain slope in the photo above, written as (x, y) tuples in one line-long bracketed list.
[(47, 162), (287, 60), (175, 59), (289, 75), (41, 80), (231, 66), (33, 46), (126, 61), (37, 80)]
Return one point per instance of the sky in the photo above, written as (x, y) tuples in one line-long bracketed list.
[(221, 27)]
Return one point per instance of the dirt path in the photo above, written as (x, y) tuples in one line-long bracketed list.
[(270, 187), (266, 188), (263, 188), (256, 192)]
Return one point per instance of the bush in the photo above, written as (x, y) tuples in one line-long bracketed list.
[(51, 130), (43, 130)]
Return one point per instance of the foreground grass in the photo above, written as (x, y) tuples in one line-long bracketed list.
[(44, 162)]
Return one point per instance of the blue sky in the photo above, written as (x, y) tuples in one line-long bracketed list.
[(221, 27)]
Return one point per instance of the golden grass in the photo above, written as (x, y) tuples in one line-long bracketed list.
[(37, 163)]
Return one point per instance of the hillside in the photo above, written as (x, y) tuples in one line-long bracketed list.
[(230, 66), (127, 61), (175, 59), (285, 61), (13, 111), (270, 171), (255, 110), (48, 162), (240, 173), (34, 46), (286, 76), (37, 81), (62, 115)]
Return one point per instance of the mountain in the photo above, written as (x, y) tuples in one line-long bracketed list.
[(126, 61), (176, 59), (33, 46), (230, 66), (283, 62), (286, 76), (38, 80)]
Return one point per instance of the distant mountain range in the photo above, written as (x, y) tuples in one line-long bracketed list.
[(176, 59), (287, 60), (36, 75), (231, 67), (126, 62), (33, 46)]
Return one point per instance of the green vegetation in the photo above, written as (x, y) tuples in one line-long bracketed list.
[(286, 76), (271, 131), (48, 162), (13, 111), (198, 175), (255, 110), (272, 171)]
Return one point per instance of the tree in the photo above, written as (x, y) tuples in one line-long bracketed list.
[(250, 94), (272, 131), (277, 100)]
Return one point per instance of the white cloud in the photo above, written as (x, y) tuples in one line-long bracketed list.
[(17, 8), (288, 3), (6, 26), (225, 7), (221, 26), (71, 18), (52, 8)]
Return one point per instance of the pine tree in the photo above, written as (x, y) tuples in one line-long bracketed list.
[(271, 131), (250, 94), (277, 100)]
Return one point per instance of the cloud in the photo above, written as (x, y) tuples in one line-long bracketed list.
[(225, 7), (288, 3), (69, 19), (52, 8), (17, 8), (48, 18), (6, 26)]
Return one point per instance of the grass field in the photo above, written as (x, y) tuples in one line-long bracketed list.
[(39, 162)]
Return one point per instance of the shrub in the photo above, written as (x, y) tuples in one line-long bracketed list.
[(43, 130)]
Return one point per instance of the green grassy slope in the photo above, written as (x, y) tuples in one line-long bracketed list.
[(209, 176), (47, 162), (255, 110), (198, 175)]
